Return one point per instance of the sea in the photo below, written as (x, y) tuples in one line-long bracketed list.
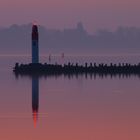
[(78, 107)]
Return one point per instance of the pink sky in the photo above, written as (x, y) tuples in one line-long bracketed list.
[(94, 14)]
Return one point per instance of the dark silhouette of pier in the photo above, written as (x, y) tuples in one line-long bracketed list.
[(76, 69)]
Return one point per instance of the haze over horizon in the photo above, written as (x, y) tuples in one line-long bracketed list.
[(65, 14), (17, 40)]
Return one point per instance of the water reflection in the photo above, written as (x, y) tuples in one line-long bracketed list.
[(82, 107), (35, 98), (34, 79), (77, 75), (35, 85)]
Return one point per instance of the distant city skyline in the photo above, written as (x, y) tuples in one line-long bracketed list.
[(70, 41), (65, 14)]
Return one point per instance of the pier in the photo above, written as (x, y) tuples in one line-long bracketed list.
[(70, 69), (36, 68)]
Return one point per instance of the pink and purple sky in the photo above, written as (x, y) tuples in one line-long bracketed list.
[(94, 14)]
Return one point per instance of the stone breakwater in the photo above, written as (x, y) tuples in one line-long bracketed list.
[(91, 68)]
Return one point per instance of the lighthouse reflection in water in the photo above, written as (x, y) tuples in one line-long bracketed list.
[(35, 98)]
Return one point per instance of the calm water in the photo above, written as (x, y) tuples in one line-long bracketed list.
[(63, 108)]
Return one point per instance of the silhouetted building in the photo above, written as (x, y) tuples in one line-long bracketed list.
[(35, 49), (35, 98)]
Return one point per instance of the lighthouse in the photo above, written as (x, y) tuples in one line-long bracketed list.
[(35, 43)]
